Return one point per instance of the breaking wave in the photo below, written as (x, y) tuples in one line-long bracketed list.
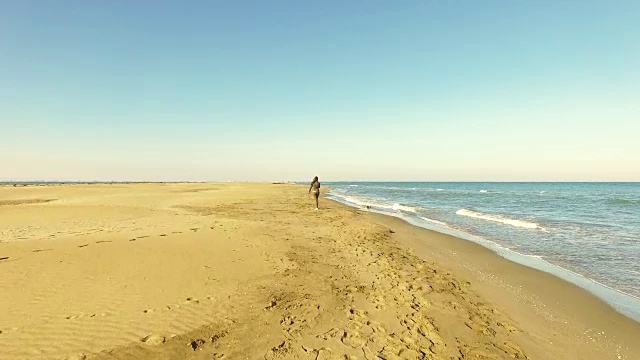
[(499, 219)]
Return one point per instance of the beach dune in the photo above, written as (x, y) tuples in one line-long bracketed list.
[(251, 271)]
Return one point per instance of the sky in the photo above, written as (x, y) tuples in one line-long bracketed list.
[(347, 90)]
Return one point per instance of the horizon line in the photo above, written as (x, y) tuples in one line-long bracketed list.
[(9, 182)]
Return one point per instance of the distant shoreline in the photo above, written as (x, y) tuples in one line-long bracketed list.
[(88, 182)]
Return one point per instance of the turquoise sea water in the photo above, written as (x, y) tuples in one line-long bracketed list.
[(586, 233)]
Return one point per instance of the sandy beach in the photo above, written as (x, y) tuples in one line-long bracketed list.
[(251, 271)]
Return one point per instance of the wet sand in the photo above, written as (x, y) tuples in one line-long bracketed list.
[(251, 271)]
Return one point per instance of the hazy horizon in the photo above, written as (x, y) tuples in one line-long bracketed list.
[(299, 182), (252, 91)]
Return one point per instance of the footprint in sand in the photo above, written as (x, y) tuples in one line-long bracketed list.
[(353, 339), (103, 241), (279, 351), (507, 326), (4, 258), (153, 339), (194, 229), (134, 239), (162, 235), (195, 344), (78, 356), (512, 350), (78, 316), (83, 245), (39, 250)]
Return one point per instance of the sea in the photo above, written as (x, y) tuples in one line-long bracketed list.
[(585, 233)]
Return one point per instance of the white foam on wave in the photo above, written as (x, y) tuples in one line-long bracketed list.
[(434, 221), (499, 219), (397, 206), (483, 191), (439, 189), (370, 203), (528, 255), (353, 185), (356, 201)]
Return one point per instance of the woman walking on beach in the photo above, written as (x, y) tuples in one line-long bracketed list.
[(315, 187)]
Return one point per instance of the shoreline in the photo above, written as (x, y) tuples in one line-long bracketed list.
[(577, 312), (250, 270), (624, 303)]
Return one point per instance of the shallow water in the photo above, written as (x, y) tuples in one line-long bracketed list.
[(587, 233)]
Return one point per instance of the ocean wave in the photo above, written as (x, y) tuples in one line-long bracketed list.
[(529, 255), (483, 191), (623, 202), (434, 221), (354, 200), (374, 204), (400, 207), (353, 185), (499, 219)]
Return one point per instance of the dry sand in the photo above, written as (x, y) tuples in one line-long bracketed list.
[(251, 271)]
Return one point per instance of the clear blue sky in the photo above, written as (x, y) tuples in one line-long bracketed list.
[(347, 90)]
